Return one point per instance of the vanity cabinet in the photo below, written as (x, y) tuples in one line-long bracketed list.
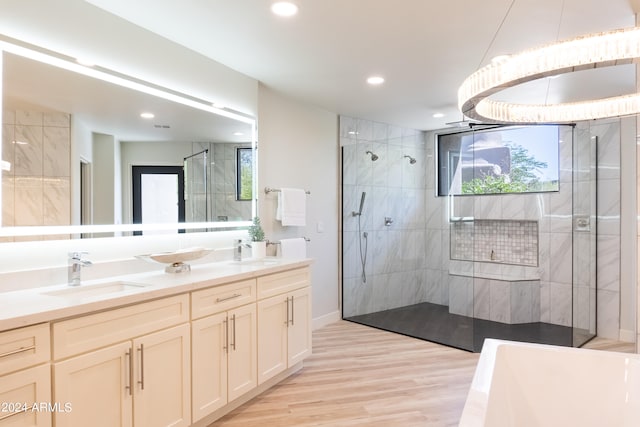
[(141, 381), (224, 358), (284, 321), (25, 377), (174, 360)]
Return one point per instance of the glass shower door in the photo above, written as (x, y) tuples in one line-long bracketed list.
[(196, 192), (584, 237)]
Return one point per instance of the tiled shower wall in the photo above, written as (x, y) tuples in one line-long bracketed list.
[(36, 186), (396, 254), (223, 203)]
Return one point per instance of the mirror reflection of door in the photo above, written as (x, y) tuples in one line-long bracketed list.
[(158, 195)]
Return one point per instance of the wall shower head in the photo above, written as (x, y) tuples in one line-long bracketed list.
[(374, 156), (411, 159)]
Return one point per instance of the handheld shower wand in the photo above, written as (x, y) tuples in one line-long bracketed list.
[(364, 193), (365, 236)]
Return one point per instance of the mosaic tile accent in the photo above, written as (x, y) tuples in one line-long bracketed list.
[(499, 241)]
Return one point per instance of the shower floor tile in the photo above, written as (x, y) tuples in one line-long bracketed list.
[(433, 322)]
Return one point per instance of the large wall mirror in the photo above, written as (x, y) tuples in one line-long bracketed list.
[(87, 157)]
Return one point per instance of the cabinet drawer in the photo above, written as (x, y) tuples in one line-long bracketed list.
[(280, 283), (93, 331), (24, 347), (220, 298)]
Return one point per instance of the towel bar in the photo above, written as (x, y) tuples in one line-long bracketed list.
[(277, 243), (268, 190)]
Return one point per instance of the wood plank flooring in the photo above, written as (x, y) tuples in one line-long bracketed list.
[(361, 376)]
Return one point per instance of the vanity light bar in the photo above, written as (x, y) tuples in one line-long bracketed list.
[(120, 81)]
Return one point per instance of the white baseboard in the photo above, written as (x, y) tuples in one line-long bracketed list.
[(326, 319), (627, 336)]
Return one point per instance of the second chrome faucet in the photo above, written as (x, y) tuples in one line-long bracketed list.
[(75, 264)]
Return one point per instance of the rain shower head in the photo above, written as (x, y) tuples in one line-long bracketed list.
[(411, 159), (374, 156)]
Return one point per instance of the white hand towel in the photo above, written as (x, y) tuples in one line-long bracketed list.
[(293, 248), (292, 207)]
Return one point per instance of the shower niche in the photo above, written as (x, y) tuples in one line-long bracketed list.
[(456, 267)]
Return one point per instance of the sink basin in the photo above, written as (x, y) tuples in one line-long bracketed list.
[(95, 290)]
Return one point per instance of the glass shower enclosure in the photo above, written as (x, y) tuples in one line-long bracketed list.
[(443, 241)]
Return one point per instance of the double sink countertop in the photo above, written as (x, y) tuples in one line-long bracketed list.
[(48, 303)]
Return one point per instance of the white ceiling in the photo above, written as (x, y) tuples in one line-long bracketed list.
[(423, 48)]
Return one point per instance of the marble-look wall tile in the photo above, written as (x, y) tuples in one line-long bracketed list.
[(582, 308), (348, 169), (500, 304), (481, 298), (56, 152), (608, 149), (583, 260), (348, 127), (608, 314), (560, 304), (380, 131), (560, 263), (525, 302), (461, 295), (29, 148), (29, 118), (364, 129), (608, 206), (545, 302), (8, 201), (608, 263), (434, 247), (29, 201), (432, 281), (385, 293), (57, 201), (56, 119)]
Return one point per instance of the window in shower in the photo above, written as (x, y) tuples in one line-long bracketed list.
[(244, 174), (522, 159)]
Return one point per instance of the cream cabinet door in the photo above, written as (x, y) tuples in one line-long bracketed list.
[(299, 330), (242, 367), (97, 386), (272, 336), (20, 391), (209, 350), (162, 375)]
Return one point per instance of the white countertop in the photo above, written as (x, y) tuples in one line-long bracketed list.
[(31, 306)]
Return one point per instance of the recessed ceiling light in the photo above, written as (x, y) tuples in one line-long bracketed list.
[(238, 134), (284, 8), (20, 142), (375, 80), (438, 115), (353, 132), (147, 115)]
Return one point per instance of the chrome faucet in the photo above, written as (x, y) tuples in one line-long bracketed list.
[(75, 267)]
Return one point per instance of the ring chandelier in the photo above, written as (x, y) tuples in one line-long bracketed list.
[(598, 50)]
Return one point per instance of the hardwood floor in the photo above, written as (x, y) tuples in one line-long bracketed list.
[(361, 376)]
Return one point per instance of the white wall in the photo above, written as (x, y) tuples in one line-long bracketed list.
[(297, 147)]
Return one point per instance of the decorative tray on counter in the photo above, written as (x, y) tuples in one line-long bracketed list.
[(176, 262)]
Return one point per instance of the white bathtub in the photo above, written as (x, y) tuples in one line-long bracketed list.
[(522, 385)]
